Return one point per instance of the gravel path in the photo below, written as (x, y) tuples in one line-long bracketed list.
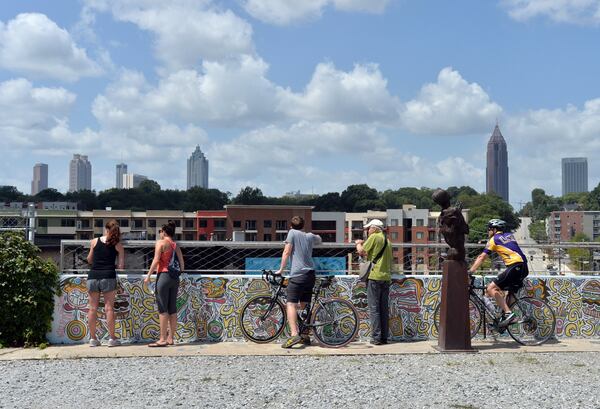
[(384, 381)]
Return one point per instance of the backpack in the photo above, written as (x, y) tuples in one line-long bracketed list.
[(173, 268)]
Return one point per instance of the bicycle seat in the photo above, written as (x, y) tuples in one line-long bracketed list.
[(326, 282)]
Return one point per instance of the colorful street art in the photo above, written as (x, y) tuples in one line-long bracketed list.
[(208, 306)]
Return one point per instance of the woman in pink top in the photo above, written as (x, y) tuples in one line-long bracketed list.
[(166, 286)]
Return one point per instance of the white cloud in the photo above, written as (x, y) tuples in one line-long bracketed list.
[(34, 45), (284, 12), (332, 95), (187, 31), (451, 106), (562, 11)]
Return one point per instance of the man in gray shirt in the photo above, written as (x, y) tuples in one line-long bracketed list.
[(298, 249)]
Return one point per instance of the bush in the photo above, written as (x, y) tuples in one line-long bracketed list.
[(27, 288)]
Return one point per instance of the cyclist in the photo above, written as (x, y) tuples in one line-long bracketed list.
[(505, 244), (298, 249)]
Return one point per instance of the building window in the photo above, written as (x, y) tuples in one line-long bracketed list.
[(431, 236), (237, 224), (188, 236), (267, 224), (267, 237), (220, 223), (178, 237), (328, 237), (151, 236), (251, 237), (203, 237), (420, 222), (42, 222), (138, 224), (357, 225), (280, 236), (189, 224), (394, 222), (281, 225), (323, 225), (202, 223), (98, 223), (394, 235), (432, 222), (152, 223), (67, 222), (420, 235), (251, 225), (123, 222), (177, 223)]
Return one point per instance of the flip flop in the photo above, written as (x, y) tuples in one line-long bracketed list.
[(171, 343), (157, 345), (290, 342)]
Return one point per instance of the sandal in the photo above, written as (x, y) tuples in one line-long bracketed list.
[(157, 344), (290, 342)]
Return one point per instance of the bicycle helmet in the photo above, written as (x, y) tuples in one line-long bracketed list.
[(497, 224)]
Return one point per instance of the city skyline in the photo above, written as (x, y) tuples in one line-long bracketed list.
[(197, 169), (278, 99), (574, 175), (496, 171), (40, 178)]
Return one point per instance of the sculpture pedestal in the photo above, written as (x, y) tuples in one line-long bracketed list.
[(454, 328)]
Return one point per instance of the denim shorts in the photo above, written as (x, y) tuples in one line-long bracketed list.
[(101, 285)]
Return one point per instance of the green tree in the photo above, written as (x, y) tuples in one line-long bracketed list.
[(580, 257), (198, 198), (592, 201), (86, 199), (360, 198), (250, 196), (537, 231), (329, 202), (27, 288), (48, 195), (149, 186), (10, 194)]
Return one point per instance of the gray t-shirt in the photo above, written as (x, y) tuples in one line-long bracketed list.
[(302, 246)]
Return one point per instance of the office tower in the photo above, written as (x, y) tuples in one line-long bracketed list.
[(497, 165), (40, 178), (197, 170), (132, 180), (574, 175), (80, 173), (121, 170)]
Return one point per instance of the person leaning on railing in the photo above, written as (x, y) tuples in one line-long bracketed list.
[(380, 277), (102, 279)]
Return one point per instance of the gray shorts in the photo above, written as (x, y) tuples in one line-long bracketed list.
[(101, 285)]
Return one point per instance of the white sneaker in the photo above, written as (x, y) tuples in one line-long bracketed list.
[(114, 342), (94, 342)]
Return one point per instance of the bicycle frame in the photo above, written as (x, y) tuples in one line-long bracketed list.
[(487, 313)]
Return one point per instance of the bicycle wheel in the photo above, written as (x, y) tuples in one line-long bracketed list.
[(334, 322), (262, 319), (474, 317), (534, 323)]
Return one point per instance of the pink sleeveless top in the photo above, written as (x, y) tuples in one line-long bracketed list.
[(165, 257)]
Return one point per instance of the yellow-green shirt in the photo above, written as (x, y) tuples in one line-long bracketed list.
[(382, 270)]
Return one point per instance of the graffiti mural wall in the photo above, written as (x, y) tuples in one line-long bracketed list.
[(208, 307)]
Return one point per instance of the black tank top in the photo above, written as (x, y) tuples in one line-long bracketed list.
[(103, 263)]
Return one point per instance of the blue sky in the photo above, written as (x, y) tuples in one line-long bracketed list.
[(311, 96)]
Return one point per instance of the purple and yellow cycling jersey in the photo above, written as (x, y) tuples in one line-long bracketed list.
[(506, 246)]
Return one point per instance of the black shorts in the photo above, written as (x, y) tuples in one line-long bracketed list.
[(300, 287), (512, 278)]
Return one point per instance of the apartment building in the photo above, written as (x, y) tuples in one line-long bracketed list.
[(263, 222), (563, 225)]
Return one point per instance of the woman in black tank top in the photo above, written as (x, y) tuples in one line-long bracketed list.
[(102, 278)]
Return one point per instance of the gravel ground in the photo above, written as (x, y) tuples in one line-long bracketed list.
[(384, 381)]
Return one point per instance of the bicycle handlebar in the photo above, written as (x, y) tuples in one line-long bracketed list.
[(272, 278)]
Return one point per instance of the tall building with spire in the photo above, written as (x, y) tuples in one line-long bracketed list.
[(121, 170), (40, 178), (80, 173), (496, 174), (197, 170)]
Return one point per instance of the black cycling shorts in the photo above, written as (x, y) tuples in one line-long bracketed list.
[(300, 287), (512, 278)]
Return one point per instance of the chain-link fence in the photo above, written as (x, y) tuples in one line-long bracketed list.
[(17, 221), (334, 258)]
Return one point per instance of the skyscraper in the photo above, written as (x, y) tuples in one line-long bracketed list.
[(496, 171), (197, 170), (574, 175), (121, 170), (40, 178), (80, 173)]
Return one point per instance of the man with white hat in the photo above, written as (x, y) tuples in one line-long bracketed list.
[(377, 248)]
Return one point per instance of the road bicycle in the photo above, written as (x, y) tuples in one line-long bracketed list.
[(534, 321), (333, 321)]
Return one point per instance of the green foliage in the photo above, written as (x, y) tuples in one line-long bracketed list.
[(484, 207), (250, 196), (27, 288), (537, 231), (580, 257)]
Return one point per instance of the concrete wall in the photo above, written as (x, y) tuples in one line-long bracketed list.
[(208, 307)]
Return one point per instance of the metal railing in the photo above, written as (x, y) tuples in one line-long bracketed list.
[(228, 257)]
